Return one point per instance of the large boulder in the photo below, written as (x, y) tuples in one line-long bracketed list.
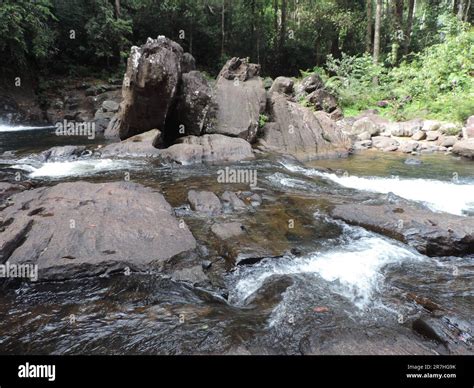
[(464, 148), (207, 149), (282, 85), (366, 125), (149, 87), (433, 234), (85, 229), (188, 63), (432, 135), (322, 100), (195, 110), (385, 143), (431, 125), (298, 131), (240, 98), (110, 106), (408, 146), (238, 69), (419, 135), (405, 128), (308, 85), (143, 145), (102, 120), (468, 131)]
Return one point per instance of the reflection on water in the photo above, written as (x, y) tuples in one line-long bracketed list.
[(36, 139)]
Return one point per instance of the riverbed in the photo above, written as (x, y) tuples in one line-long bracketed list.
[(319, 287)]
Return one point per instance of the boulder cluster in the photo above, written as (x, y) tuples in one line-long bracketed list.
[(200, 120), (369, 130)]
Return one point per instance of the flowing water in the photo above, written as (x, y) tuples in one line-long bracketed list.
[(344, 291)]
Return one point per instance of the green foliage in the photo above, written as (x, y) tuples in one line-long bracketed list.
[(438, 82), (262, 120), (108, 36), (24, 31), (435, 76)]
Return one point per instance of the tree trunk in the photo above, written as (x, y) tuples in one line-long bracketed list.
[(409, 26), (468, 9), (398, 29), (283, 26), (223, 29), (378, 22), (117, 9), (368, 35), (460, 10), (253, 27), (275, 16)]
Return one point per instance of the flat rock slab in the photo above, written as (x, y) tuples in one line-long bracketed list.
[(85, 229), (143, 145), (432, 234)]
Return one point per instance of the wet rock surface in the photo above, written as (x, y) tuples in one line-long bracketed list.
[(433, 234), (205, 202), (83, 229), (143, 145)]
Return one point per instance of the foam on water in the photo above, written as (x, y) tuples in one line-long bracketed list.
[(74, 168), (444, 196), (354, 269), (8, 128)]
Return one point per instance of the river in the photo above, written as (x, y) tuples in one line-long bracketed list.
[(344, 292)]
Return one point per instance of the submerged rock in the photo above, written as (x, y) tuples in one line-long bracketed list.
[(226, 230), (270, 292), (232, 202), (83, 229), (413, 162), (62, 153), (204, 202)]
